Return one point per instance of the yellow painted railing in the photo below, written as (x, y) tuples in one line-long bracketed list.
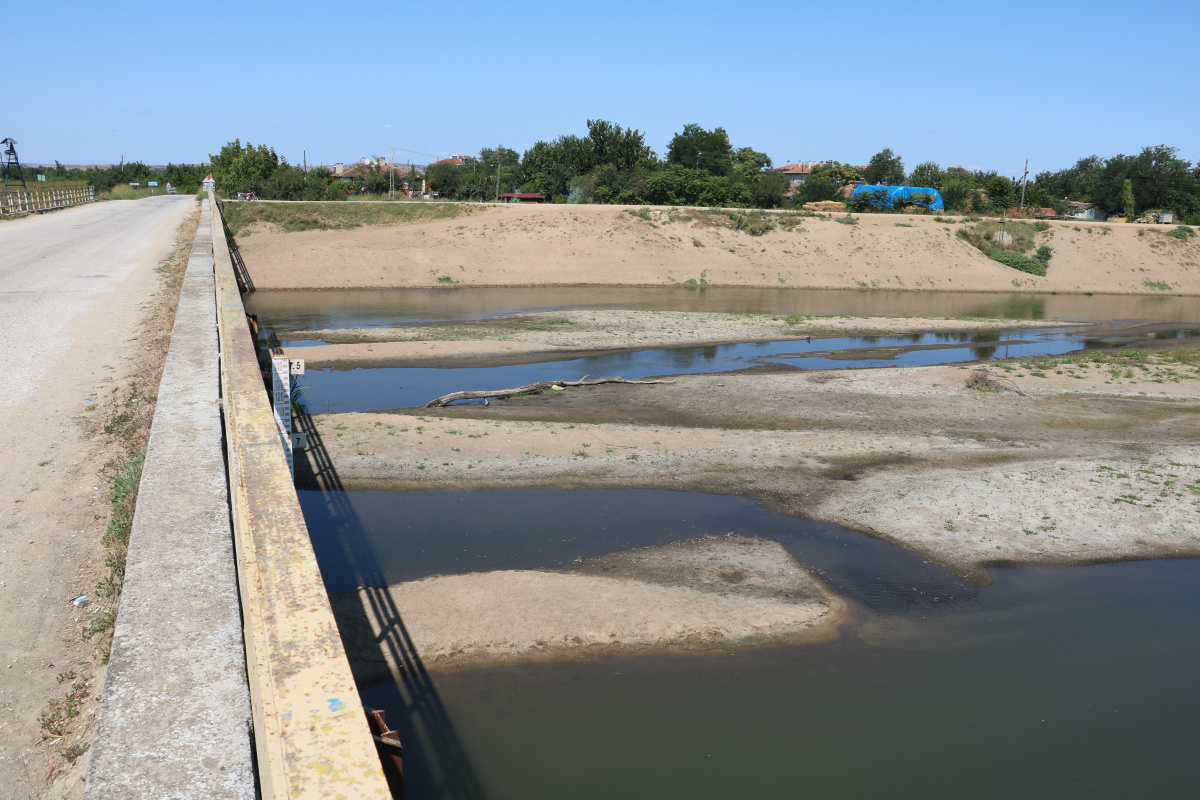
[(311, 733)]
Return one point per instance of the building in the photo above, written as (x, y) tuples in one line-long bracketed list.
[(797, 172), (456, 160), (360, 170), (1091, 211)]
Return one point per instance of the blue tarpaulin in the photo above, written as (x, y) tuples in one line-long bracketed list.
[(888, 195)]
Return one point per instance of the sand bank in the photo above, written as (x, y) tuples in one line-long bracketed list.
[(605, 245), (1097, 463), (725, 593)]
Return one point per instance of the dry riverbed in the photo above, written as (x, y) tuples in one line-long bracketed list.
[(1095, 461), (552, 335)]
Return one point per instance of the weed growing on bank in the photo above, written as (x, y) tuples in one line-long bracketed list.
[(305, 216), (983, 236)]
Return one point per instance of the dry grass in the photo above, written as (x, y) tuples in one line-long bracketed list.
[(241, 218)]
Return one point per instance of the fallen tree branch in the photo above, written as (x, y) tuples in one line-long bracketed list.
[(500, 394), (986, 381)]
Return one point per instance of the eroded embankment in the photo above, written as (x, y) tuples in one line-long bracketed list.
[(718, 592), (1095, 461), (466, 245), (570, 334)]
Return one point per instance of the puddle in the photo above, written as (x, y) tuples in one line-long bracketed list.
[(382, 388), (364, 308)]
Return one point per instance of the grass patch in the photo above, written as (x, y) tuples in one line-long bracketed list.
[(1157, 285), (304, 216), (1010, 258), (1182, 233), (846, 220)]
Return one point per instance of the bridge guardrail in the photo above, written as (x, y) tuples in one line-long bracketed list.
[(311, 733), (18, 201)]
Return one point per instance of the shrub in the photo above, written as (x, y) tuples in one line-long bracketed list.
[(755, 223), (1043, 253), (1182, 233), (1011, 258), (1041, 226), (846, 220)]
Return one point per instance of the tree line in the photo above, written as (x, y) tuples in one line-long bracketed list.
[(611, 164), (185, 177)]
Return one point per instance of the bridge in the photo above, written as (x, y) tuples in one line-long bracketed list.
[(227, 676)]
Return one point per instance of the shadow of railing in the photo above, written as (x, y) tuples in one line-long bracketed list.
[(239, 267), (415, 704)]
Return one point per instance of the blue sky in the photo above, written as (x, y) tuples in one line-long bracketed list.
[(972, 84)]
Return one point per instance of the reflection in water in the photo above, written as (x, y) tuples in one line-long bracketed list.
[(414, 706), (386, 388), (348, 308)]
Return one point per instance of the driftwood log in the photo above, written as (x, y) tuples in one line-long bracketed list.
[(540, 386)]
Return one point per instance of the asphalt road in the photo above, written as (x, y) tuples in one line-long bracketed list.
[(55, 266)]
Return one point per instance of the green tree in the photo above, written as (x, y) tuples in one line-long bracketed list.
[(695, 145), (885, 167), (1127, 200), (926, 175), (836, 172), (623, 148), (243, 169), (814, 190), (750, 160)]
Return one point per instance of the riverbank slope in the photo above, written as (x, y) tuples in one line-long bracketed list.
[(479, 245)]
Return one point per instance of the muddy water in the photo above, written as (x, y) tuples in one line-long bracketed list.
[(382, 388), (1048, 683), (1066, 683), (360, 308)]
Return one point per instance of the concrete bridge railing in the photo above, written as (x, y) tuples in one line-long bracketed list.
[(227, 677), (311, 732)]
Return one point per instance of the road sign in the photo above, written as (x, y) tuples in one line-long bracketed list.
[(152, 183)]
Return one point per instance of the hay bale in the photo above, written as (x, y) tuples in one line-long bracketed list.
[(825, 205)]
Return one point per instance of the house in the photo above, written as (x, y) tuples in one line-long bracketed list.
[(1079, 210), (797, 172), (359, 171), (456, 160), (522, 197)]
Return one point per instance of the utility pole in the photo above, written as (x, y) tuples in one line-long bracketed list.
[(392, 177), (499, 150), (1023, 182)]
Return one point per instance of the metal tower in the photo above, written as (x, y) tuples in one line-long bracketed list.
[(11, 162)]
